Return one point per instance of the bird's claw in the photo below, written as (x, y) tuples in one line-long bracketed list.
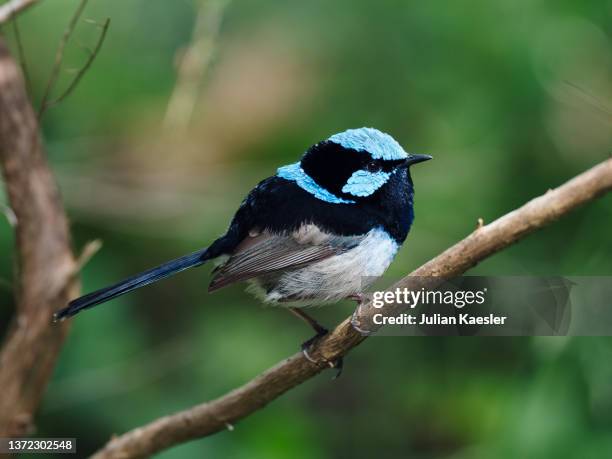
[(338, 364), (356, 324), (306, 345)]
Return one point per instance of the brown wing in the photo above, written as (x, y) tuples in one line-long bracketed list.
[(266, 253)]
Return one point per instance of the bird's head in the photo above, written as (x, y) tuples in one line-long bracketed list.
[(351, 166)]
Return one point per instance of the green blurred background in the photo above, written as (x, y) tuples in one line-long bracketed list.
[(511, 98)]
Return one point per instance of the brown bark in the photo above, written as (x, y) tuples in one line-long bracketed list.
[(46, 275)]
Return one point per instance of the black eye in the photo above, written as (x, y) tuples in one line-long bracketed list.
[(372, 166)]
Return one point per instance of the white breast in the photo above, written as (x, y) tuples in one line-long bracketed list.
[(337, 277)]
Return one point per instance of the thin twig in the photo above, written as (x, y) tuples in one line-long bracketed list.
[(59, 57), (10, 9), (90, 249), (193, 63), (81, 72), (9, 214), (591, 99), (208, 418), (22, 57)]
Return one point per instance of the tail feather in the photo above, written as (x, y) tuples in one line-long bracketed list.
[(139, 280)]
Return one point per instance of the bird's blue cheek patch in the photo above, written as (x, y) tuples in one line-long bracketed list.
[(295, 173), (364, 183)]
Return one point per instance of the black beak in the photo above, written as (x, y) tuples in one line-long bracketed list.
[(413, 159)]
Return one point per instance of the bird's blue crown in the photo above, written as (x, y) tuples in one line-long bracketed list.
[(369, 140), (353, 164)]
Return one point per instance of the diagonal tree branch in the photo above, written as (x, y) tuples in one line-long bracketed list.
[(208, 418), (11, 8), (47, 266)]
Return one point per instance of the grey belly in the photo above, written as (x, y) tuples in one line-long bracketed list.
[(332, 279)]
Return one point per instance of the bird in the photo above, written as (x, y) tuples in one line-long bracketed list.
[(318, 231)]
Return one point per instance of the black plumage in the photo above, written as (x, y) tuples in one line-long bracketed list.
[(278, 207)]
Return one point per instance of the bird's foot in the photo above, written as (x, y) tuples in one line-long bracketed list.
[(360, 298), (307, 345)]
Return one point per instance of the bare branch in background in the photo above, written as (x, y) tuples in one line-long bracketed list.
[(9, 214), (9, 11), (46, 264), (192, 65), (11, 8), (59, 57), (46, 103), (88, 252), (220, 414), (591, 99), (22, 57), (81, 72)]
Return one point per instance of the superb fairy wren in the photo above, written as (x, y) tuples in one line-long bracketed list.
[(313, 233)]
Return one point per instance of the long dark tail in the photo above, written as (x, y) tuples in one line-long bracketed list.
[(139, 280)]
